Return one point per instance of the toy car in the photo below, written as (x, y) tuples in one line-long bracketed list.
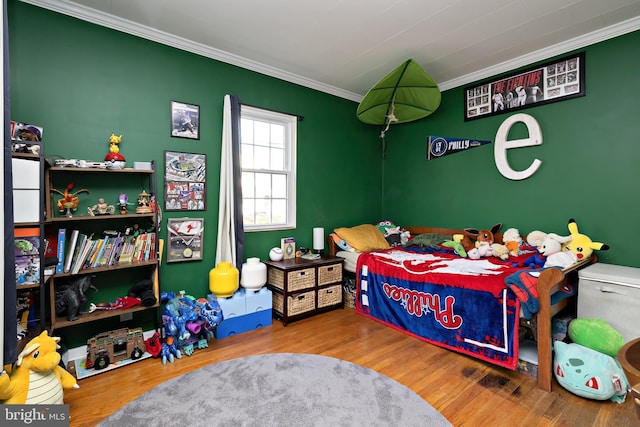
[(114, 346)]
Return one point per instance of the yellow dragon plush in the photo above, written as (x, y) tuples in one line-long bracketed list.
[(37, 378)]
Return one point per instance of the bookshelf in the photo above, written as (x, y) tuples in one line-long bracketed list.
[(28, 212), (114, 251)]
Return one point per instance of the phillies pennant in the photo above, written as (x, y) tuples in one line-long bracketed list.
[(439, 146)]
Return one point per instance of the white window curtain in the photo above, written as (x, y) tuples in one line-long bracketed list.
[(230, 243)]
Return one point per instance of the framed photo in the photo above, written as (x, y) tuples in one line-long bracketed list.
[(184, 181), (554, 81), (185, 120), (185, 236)]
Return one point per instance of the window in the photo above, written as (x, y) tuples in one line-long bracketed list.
[(267, 159)]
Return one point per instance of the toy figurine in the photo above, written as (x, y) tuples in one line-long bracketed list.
[(114, 159), (144, 204), (71, 298), (123, 200), (69, 202), (101, 208)]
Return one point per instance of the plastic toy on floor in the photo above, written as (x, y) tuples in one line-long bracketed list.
[(188, 323), (36, 377), (169, 350)]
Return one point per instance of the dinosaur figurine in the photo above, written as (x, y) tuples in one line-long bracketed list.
[(37, 368)]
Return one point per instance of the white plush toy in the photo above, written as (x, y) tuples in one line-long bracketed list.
[(535, 238), (552, 248), (512, 240)]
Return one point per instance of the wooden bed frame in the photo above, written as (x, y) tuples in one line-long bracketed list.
[(549, 282)]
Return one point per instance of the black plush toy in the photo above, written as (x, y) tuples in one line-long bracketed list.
[(144, 291), (71, 298)]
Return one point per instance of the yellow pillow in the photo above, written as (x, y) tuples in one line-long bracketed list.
[(363, 238)]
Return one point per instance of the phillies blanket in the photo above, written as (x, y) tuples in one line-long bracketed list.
[(441, 298)]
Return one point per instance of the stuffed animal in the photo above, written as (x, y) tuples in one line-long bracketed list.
[(456, 246), (483, 235), (501, 251), (580, 244), (484, 239), (392, 233), (37, 377), (513, 241), (589, 373), (535, 239), (596, 334), (552, 249)]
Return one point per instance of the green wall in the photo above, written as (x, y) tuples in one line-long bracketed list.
[(590, 162), (82, 82)]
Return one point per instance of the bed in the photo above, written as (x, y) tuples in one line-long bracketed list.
[(473, 307)]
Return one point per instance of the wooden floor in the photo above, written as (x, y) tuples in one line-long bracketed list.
[(467, 392)]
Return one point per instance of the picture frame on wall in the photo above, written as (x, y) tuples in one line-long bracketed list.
[(557, 80), (185, 120), (185, 238), (184, 181)]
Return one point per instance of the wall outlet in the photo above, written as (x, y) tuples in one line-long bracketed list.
[(126, 316)]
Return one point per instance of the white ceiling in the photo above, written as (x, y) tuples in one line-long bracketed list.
[(344, 47)]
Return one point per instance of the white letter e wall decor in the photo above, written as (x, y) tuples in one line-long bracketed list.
[(502, 145)]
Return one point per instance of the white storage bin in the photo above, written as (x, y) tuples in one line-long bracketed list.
[(612, 293)]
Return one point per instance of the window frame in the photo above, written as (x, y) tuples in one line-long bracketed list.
[(289, 122)]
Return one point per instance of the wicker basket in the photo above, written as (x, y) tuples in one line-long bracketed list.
[(296, 304), (349, 298), (329, 274), (296, 280), (331, 295)]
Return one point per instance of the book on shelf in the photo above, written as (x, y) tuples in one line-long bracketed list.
[(79, 246), (71, 251), (62, 232), (103, 259), (151, 247), (126, 255), (102, 244), (138, 247), (288, 246), (92, 254), (82, 256), (115, 254), (96, 253)]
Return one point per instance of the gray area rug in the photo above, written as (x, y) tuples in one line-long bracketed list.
[(282, 389)]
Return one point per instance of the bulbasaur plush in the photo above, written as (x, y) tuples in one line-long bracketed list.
[(589, 373)]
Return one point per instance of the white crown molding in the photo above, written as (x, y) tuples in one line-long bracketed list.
[(106, 20), (594, 37)]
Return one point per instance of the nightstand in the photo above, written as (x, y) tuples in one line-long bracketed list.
[(303, 288)]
